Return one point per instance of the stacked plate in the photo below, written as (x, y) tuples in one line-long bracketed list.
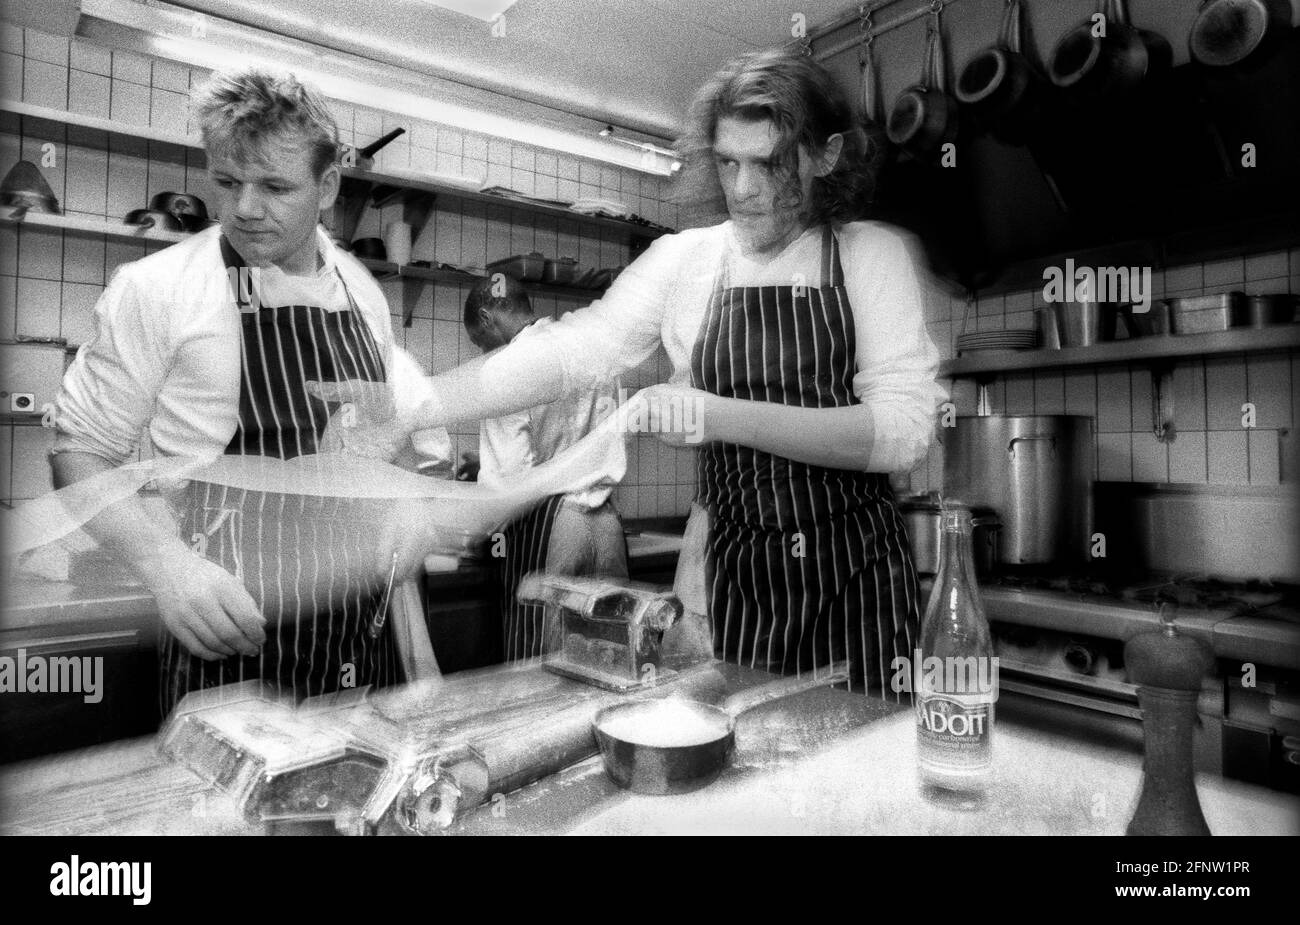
[(997, 340)]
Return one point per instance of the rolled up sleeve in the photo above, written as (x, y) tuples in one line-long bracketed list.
[(411, 387), (898, 364), (109, 392)]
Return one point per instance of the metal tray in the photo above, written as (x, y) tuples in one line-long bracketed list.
[(1202, 314)]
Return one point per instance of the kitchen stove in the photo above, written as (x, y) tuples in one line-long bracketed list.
[(1059, 635)]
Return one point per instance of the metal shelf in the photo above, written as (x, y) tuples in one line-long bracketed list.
[(386, 270), (84, 225), (108, 126), (360, 185), (1134, 350), (391, 186)]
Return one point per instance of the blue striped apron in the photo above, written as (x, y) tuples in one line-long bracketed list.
[(301, 558), (805, 565)]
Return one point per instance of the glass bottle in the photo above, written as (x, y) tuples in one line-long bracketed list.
[(956, 674)]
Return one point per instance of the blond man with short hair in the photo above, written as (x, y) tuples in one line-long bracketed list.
[(230, 343)]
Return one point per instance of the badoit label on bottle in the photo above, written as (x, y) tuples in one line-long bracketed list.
[(955, 730)]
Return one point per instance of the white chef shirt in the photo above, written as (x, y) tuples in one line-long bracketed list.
[(166, 351), (511, 444), (663, 297)]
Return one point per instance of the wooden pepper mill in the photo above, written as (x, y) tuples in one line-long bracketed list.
[(1168, 669)]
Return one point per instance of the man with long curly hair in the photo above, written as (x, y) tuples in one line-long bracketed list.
[(795, 330)]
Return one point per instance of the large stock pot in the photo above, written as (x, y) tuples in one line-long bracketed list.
[(1036, 472)]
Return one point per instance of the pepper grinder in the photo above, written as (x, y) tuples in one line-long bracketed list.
[(1168, 668)]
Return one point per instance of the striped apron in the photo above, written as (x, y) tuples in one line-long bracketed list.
[(305, 560), (805, 565), (526, 542)]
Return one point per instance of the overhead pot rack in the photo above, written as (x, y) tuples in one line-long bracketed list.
[(855, 17)]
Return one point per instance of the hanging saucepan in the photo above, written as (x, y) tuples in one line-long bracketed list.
[(1004, 91), (673, 745), (925, 116), (1092, 66), (1228, 32)]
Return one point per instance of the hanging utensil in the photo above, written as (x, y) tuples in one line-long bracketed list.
[(925, 116), (1097, 66), (1226, 33), (1003, 89), (867, 65)]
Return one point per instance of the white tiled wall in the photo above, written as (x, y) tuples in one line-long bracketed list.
[(1211, 446), (49, 281)]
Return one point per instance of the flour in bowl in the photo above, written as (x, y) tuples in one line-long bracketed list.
[(664, 724)]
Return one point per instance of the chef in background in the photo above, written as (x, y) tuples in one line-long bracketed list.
[(795, 329), (574, 534), (231, 342)]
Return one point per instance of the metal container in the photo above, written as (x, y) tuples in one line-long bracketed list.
[(1154, 322), (1036, 473), (1049, 332), (560, 271), (1082, 324), (528, 267), (1202, 314), (675, 745), (924, 529), (1275, 308)]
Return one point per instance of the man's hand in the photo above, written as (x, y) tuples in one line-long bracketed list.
[(675, 413), (202, 604), (206, 608), (364, 423)]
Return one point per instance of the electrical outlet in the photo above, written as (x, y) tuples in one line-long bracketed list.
[(22, 401)]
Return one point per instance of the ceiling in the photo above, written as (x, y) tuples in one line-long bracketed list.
[(635, 63)]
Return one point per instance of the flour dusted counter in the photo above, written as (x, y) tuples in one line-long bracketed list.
[(823, 762)]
